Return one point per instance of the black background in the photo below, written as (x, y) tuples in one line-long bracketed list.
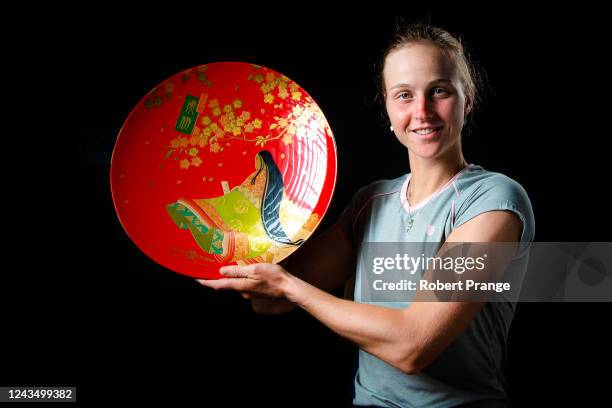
[(83, 306)]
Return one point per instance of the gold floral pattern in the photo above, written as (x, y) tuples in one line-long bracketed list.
[(220, 121), (241, 206), (241, 250), (236, 225), (210, 210), (158, 95)]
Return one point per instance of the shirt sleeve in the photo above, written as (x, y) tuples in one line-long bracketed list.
[(499, 193), (356, 213), (348, 217)]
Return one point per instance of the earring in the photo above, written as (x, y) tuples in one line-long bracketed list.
[(391, 128)]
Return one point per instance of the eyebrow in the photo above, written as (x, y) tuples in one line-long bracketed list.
[(405, 85)]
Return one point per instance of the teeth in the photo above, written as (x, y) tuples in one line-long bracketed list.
[(425, 131)]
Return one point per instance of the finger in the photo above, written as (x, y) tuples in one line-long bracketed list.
[(227, 284), (208, 283), (216, 284), (237, 271)]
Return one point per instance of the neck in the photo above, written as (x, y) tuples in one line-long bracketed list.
[(429, 175)]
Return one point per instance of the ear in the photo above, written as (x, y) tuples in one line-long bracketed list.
[(468, 107)]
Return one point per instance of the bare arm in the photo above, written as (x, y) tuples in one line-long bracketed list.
[(325, 262), (411, 338)]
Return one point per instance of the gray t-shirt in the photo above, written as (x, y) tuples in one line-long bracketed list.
[(470, 369)]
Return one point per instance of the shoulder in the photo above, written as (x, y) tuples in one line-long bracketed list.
[(374, 191), (481, 184), (377, 190), (365, 199), (481, 191), (381, 188)]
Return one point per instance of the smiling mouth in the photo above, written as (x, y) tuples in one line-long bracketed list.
[(427, 131)]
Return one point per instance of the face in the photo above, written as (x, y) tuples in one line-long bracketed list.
[(425, 100)]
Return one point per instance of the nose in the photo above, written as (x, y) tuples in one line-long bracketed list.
[(422, 108)]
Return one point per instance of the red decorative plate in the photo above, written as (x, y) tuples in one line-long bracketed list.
[(225, 163)]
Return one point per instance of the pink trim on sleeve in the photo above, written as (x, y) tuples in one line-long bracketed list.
[(366, 204)]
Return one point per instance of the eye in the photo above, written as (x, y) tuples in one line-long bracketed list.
[(440, 92), (404, 96)]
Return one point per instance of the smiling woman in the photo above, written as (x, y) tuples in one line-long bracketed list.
[(413, 353), (429, 89)]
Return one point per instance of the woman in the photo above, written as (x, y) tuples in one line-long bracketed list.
[(412, 353)]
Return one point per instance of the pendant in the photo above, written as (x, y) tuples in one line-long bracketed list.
[(408, 224)]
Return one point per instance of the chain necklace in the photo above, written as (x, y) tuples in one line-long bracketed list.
[(408, 224)]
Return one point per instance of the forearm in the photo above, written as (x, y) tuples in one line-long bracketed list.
[(383, 332), (311, 265), (272, 306)]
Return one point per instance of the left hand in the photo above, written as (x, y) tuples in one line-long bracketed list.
[(257, 280)]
